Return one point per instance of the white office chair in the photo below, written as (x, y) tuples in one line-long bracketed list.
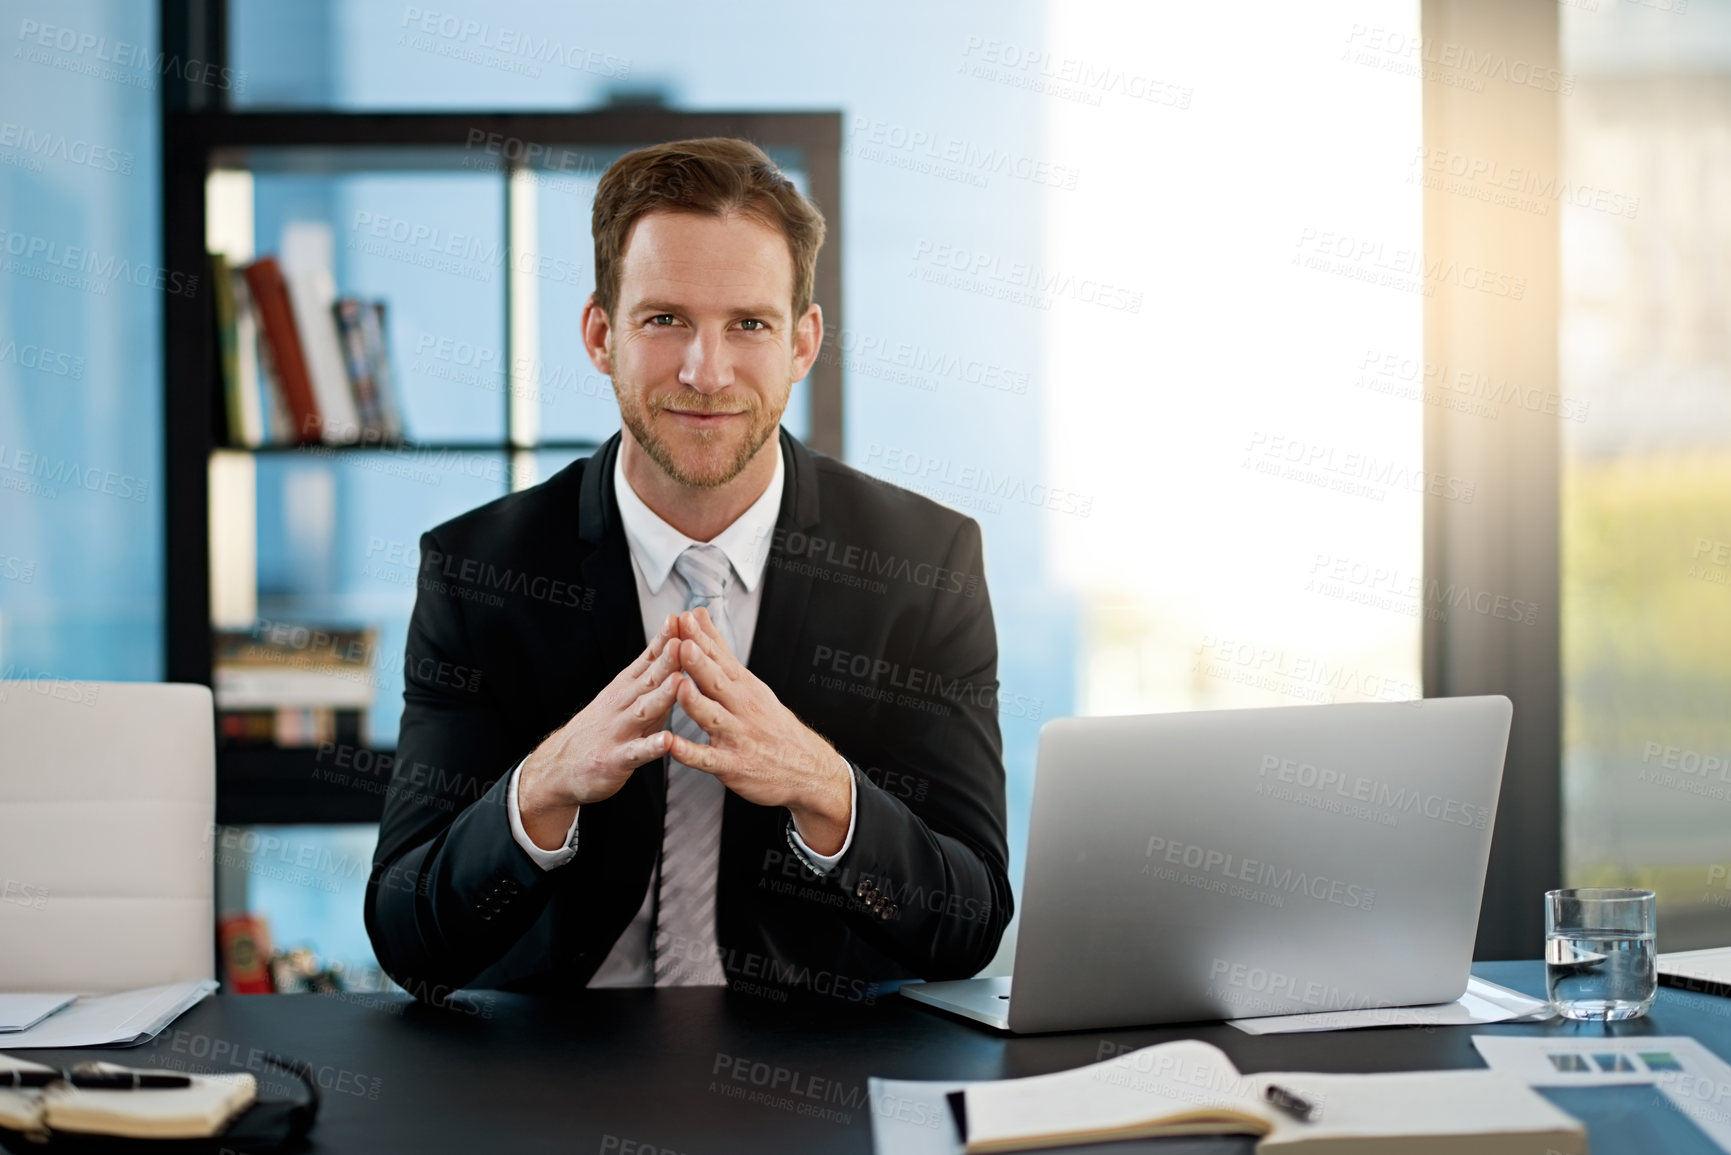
[(107, 800)]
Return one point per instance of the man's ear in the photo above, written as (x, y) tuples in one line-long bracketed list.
[(807, 340), (597, 328)]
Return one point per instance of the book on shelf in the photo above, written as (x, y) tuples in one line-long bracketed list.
[(276, 423), (362, 327), (293, 686), (292, 726), (306, 261), (279, 643), (281, 344), (237, 342), (299, 364), (373, 333)]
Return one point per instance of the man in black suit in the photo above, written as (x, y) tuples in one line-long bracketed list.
[(593, 785)]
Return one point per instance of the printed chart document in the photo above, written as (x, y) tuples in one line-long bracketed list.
[(1484, 1002), (1694, 1079), (1192, 1088), (125, 1019), (20, 1011)]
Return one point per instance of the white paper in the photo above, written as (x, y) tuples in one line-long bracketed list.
[(1484, 1002), (910, 1117), (1694, 1079), (1711, 966), (124, 1019), (20, 1011)]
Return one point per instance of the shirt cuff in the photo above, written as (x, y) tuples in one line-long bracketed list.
[(824, 863), (545, 859)]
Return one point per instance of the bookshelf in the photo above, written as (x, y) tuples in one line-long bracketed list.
[(313, 784)]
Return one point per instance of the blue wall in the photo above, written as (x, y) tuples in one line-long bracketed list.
[(80, 424)]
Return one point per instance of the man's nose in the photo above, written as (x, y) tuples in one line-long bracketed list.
[(706, 367)]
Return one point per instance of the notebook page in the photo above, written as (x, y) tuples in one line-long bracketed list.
[(1416, 1103), (1186, 1082)]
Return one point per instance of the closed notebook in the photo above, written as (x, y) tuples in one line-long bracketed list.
[(196, 1112), (20, 1110), (1192, 1088)]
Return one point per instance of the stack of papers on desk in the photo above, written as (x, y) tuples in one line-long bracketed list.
[(1484, 1002), (18, 1012), (125, 1019), (1708, 971)]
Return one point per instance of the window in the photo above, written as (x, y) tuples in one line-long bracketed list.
[(1646, 498), (1243, 396)]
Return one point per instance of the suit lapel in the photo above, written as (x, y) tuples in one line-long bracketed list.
[(606, 567), (781, 611)]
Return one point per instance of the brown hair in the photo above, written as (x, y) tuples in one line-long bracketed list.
[(713, 176)]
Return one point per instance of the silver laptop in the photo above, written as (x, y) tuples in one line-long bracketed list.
[(1238, 863)]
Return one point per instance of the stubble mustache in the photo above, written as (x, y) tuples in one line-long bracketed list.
[(697, 403)]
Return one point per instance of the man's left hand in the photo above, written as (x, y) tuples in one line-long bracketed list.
[(757, 747)]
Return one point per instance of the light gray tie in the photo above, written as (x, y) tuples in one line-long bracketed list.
[(686, 952)]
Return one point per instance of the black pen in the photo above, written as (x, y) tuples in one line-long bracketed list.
[(125, 1080), (95, 1080), (1291, 1102)]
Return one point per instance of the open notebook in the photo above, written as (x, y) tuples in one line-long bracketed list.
[(196, 1112), (1192, 1088)]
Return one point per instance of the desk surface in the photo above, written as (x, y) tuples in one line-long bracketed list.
[(700, 1071)]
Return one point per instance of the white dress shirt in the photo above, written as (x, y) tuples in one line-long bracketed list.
[(655, 546)]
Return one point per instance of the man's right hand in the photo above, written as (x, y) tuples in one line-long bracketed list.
[(593, 754)]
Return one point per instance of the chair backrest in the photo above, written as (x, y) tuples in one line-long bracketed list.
[(107, 806)]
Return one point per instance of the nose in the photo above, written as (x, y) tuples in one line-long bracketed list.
[(706, 367)]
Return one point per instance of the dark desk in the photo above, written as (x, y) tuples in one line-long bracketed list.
[(702, 1071)]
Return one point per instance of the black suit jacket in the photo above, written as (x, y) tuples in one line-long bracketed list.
[(874, 628)]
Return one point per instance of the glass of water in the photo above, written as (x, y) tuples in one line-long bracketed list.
[(1599, 952)]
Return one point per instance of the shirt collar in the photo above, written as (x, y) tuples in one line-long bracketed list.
[(657, 545)]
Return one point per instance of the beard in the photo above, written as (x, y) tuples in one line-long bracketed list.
[(714, 463)]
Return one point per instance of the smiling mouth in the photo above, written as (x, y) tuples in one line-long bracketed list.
[(702, 416)]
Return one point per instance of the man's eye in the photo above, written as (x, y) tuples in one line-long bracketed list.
[(661, 319), (751, 326)]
